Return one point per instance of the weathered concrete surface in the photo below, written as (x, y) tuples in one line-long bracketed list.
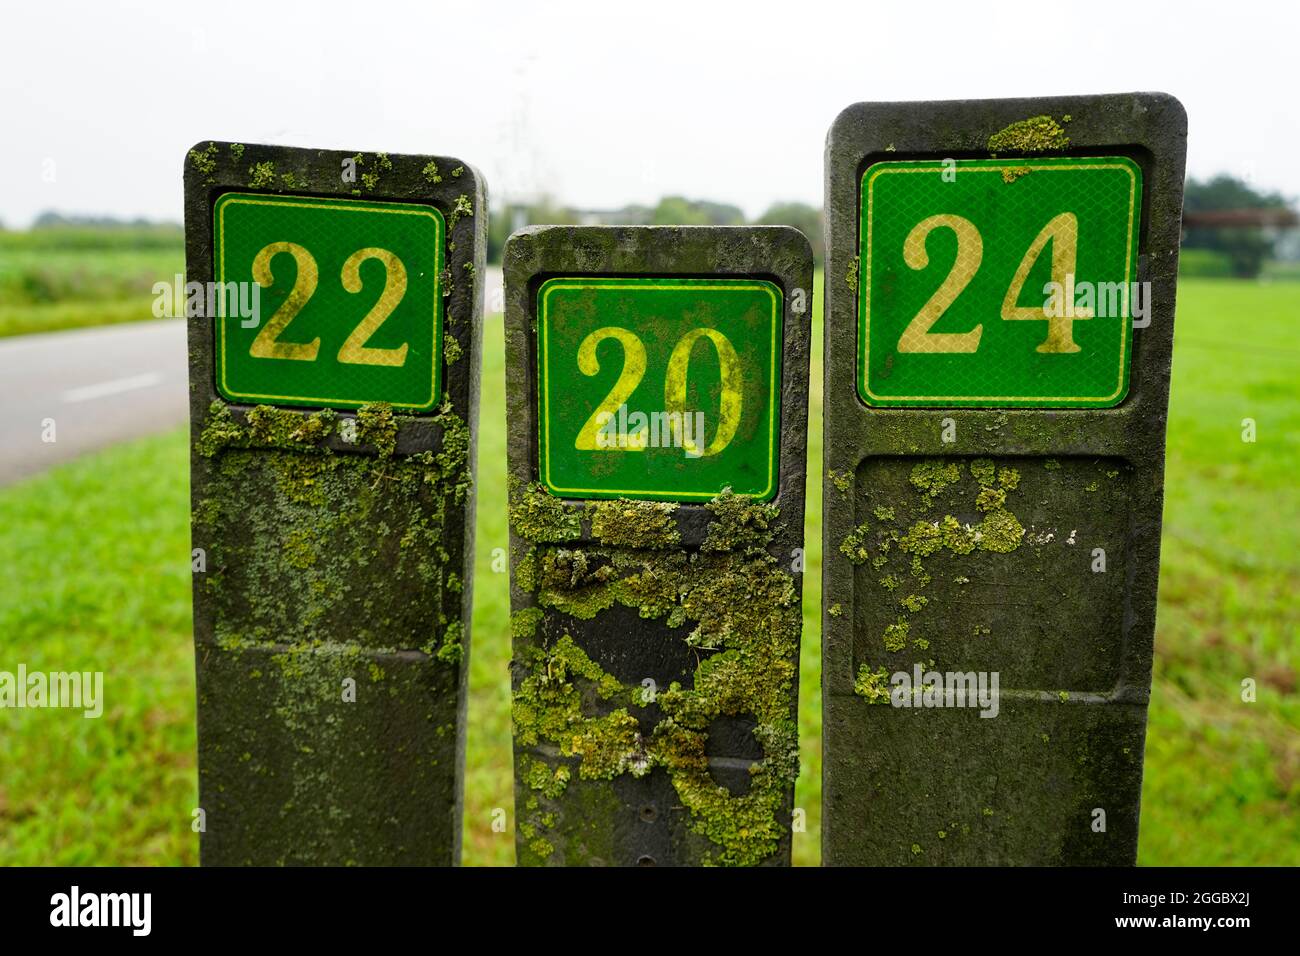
[(1073, 646), (329, 562), (655, 644)]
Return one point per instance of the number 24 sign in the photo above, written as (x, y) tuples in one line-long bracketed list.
[(991, 283)]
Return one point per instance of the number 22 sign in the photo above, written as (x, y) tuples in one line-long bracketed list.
[(350, 301)]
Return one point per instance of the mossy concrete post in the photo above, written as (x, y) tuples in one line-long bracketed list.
[(986, 538), (333, 506), (656, 579)]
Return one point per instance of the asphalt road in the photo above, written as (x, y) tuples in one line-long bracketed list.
[(85, 389), (98, 386)]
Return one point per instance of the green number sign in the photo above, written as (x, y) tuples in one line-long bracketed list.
[(350, 301), (989, 283), (658, 388)]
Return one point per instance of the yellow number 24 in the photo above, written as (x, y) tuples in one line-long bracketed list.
[(1062, 231)]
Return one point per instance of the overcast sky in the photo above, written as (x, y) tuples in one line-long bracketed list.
[(597, 104)]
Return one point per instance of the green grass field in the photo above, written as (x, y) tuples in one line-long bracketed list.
[(56, 279), (96, 556)]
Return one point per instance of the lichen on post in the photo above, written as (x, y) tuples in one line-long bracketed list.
[(992, 503), (335, 508), (656, 639)]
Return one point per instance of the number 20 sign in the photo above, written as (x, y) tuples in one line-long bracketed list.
[(662, 388), (987, 283), (350, 301)]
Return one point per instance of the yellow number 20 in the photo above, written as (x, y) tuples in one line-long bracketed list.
[(628, 379), (634, 367), (729, 367)]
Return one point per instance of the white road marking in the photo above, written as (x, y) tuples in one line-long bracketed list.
[(114, 387)]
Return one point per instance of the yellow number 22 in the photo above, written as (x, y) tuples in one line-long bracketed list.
[(354, 350)]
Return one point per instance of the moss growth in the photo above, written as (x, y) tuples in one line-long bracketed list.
[(547, 706), (872, 684), (237, 151), (1011, 173), (523, 622), (451, 350), (525, 570), (744, 608), (851, 277), (456, 173), (835, 610), (918, 571), (854, 545), (451, 651), (430, 172), (999, 531), (267, 427), (464, 207), (328, 564), (932, 477), (923, 539), (569, 580), (842, 480), (261, 175), (541, 518), (205, 160), (739, 524), (895, 636), (635, 524), (541, 777), (1038, 134), (338, 519), (376, 426)]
